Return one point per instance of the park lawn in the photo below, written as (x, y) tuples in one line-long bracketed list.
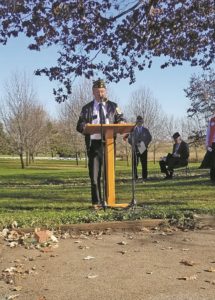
[(55, 192)]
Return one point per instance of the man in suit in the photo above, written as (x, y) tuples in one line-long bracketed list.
[(178, 158), (99, 111), (140, 139), (210, 146)]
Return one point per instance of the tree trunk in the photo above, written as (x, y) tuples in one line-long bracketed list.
[(22, 160), (76, 158), (27, 158), (127, 156), (196, 152), (31, 158), (86, 159), (154, 153)]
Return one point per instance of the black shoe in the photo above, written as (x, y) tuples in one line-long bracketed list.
[(168, 177)]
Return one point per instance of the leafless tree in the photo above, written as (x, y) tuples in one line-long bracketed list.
[(142, 102), (69, 114), (22, 117), (38, 132), (191, 130)]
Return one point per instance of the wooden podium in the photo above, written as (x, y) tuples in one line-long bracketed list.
[(109, 131)]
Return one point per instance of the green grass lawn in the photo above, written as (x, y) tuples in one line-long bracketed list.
[(50, 193)]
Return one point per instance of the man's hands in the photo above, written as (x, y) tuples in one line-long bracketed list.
[(125, 136), (84, 128)]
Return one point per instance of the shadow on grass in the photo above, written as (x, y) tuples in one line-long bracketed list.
[(176, 181), (18, 208), (161, 203), (41, 197)]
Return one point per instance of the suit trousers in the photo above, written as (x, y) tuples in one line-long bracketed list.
[(212, 166), (172, 163), (95, 156), (143, 160)]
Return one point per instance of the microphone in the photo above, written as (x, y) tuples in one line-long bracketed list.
[(103, 99)]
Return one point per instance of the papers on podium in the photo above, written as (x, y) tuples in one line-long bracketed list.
[(141, 147)]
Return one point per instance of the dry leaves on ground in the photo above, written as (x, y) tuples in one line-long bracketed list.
[(189, 263), (192, 277)]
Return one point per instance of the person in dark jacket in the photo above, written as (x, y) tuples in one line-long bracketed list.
[(99, 111), (140, 139), (177, 159), (209, 158)]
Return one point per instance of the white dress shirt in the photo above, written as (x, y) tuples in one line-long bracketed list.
[(96, 118)]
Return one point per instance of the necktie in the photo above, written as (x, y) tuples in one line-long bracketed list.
[(101, 114)]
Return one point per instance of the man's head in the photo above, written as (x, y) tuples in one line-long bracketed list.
[(176, 137), (139, 121), (99, 90)]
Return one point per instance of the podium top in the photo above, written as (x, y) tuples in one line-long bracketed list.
[(116, 128)]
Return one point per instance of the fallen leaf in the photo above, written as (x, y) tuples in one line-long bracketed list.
[(83, 247), (13, 244), (210, 281), (163, 233), (92, 276), (123, 252), (53, 255), (66, 235), (83, 236), (189, 263), (210, 270), (12, 297), (192, 277), (14, 224), (88, 257), (144, 229), (186, 240), (53, 239), (17, 288), (31, 259), (5, 232), (122, 243)]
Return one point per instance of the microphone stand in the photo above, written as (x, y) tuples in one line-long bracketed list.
[(103, 197), (133, 200)]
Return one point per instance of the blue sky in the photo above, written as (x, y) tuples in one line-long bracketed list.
[(166, 84)]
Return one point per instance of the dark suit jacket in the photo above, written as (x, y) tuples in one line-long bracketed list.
[(140, 136), (183, 150), (86, 116)]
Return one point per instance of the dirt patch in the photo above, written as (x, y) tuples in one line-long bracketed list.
[(154, 264)]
